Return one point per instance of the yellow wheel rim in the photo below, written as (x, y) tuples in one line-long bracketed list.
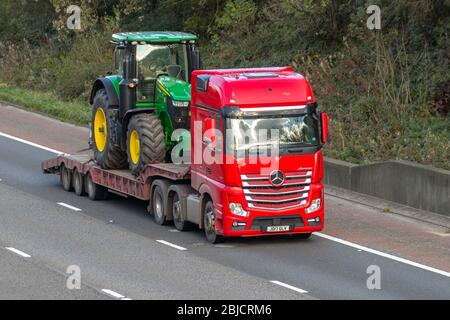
[(100, 129), (135, 147)]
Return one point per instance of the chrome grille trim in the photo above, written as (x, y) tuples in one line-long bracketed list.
[(270, 193), (262, 195), (303, 196), (268, 184)]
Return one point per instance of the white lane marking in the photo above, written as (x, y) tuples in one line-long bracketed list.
[(171, 244), (69, 206), (170, 230), (288, 286), (113, 294), (382, 254), (20, 253), (30, 143)]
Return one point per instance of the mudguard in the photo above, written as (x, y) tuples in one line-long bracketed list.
[(105, 83)]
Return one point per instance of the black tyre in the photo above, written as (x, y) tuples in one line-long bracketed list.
[(302, 236), (209, 223), (106, 154), (66, 178), (78, 183), (178, 220), (158, 206), (145, 141), (95, 192)]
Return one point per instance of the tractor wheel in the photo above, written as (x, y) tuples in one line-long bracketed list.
[(106, 154), (145, 141)]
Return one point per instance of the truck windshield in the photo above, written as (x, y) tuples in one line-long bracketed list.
[(283, 131)]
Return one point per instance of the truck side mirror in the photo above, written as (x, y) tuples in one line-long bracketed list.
[(324, 120), (209, 135)]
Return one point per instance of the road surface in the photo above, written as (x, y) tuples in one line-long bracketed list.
[(123, 254)]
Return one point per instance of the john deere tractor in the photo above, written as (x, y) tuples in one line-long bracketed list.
[(135, 111)]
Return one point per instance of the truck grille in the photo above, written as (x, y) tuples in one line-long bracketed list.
[(261, 194)]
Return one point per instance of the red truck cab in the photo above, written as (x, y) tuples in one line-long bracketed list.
[(256, 159)]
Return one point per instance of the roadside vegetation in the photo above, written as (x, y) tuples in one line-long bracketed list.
[(75, 112), (387, 91)]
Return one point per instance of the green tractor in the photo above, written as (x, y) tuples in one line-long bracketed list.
[(136, 110)]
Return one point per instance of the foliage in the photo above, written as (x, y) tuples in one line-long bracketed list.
[(44, 102), (387, 91)]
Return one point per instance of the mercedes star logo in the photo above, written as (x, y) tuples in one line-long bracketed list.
[(277, 178)]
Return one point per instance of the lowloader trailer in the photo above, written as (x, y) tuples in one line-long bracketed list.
[(259, 134)]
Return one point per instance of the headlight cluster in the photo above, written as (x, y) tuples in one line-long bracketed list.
[(315, 205), (236, 208), (180, 103)]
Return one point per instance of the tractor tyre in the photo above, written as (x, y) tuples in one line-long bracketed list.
[(106, 154), (145, 141)]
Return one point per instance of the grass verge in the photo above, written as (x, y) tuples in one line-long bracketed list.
[(47, 103)]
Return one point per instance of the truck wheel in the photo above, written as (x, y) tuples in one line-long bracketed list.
[(209, 223), (78, 183), (95, 192), (106, 154), (158, 206), (66, 178), (145, 141), (178, 221)]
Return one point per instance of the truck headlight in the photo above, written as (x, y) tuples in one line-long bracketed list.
[(180, 103), (236, 208), (315, 205)]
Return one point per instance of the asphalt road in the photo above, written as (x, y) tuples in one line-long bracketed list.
[(118, 247)]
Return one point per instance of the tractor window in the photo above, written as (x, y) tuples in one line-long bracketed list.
[(118, 60), (157, 60)]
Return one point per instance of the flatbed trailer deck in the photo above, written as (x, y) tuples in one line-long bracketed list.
[(121, 181)]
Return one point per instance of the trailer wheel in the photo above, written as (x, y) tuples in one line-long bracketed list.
[(78, 183), (95, 192), (66, 178), (209, 222), (178, 221), (158, 206)]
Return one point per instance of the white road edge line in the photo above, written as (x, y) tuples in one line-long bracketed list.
[(171, 245), (69, 206), (114, 294), (30, 143), (20, 253), (288, 286), (382, 254)]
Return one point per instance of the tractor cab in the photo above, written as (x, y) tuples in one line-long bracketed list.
[(156, 61)]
